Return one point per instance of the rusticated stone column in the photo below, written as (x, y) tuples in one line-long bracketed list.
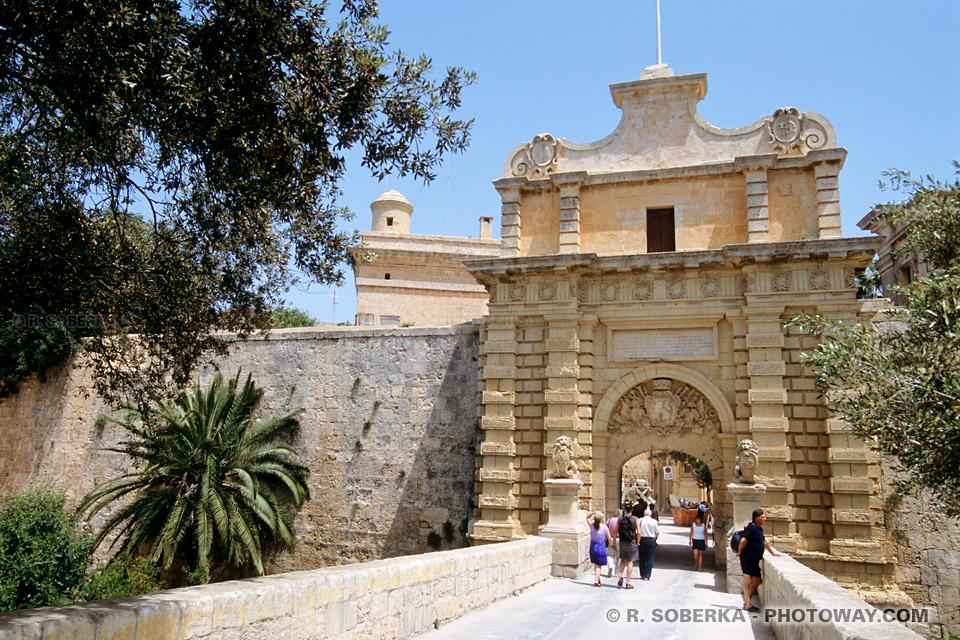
[(768, 420), (498, 474)]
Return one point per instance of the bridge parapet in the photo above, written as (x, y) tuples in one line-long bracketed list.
[(802, 604), (384, 599)]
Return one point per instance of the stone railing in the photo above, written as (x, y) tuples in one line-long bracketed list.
[(801, 604), (385, 599)]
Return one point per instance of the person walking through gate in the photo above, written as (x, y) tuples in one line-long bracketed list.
[(698, 540), (649, 532), (599, 539), (750, 552), (614, 556), (628, 531)]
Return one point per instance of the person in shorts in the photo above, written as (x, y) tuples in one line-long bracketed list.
[(750, 552), (698, 540), (628, 532)]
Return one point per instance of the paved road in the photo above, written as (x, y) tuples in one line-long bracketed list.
[(571, 609)]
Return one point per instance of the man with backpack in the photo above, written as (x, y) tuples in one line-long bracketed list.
[(628, 532), (750, 551)]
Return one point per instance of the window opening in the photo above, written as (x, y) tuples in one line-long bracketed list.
[(661, 230)]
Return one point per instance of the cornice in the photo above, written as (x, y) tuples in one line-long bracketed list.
[(730, 256)]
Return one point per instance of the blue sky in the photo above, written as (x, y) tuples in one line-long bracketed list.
[(884, 73)]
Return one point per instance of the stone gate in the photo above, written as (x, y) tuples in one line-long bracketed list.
[(639, 301)]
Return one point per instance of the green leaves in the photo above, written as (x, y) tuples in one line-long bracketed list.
[(43, 555), (896, 382), (209, 483), (176, 161)]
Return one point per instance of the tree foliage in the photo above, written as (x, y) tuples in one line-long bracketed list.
[(285, 318), (166, 168), (897, 382), (43, 555), (211, 485), (700, 470)]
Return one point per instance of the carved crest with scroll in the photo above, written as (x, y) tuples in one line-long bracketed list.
[(665, 406), (537, 158), (793, 132)]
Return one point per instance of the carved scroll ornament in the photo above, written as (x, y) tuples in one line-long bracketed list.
[(536, 158), (665, 406), (792, 132)]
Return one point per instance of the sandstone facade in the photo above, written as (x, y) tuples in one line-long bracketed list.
[(638, 304), (408, 279)]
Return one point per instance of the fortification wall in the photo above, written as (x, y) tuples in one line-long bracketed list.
[(927, 547), (389, 432)]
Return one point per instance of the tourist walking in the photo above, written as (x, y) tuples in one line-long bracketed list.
[(750, 552), (599, 539), (649, 532), (628, 532), (698, 540), (613, 556)]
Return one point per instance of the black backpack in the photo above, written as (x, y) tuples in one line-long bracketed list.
[(625, 528), (735, 540)]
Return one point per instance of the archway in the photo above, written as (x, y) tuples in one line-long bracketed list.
[(664, 407)]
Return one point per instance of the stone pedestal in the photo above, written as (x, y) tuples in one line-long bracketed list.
[(567, 528), (745, 498)]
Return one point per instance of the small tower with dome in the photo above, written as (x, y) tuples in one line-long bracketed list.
[(407, 279)]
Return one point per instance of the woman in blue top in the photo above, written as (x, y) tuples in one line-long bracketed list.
[(752, 544), (599, 539)]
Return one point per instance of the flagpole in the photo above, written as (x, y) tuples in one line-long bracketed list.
[(659, 58)]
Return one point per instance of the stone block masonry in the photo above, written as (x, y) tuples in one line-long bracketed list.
[(389, 433), (379, 600)]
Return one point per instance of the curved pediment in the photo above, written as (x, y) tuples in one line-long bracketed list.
[(662, 129)]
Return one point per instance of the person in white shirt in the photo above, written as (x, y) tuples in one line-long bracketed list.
[(698, 540), (649, 532)]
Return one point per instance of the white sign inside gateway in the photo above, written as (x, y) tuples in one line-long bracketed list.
[(669, 344)]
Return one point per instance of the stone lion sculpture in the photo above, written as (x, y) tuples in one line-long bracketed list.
[(748, 457), (564, 458)]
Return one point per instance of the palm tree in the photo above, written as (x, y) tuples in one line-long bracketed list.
[(208, 482)]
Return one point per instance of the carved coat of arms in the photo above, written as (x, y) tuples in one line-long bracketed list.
[(661, 405), (665, 406)]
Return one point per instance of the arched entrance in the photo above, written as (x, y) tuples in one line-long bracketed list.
[(664, 407)]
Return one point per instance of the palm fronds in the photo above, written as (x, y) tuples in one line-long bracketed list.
[(210, 483)]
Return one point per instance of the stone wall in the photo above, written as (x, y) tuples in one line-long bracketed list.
[(389, 432), (384, 599), (791, 593), (927, 547)]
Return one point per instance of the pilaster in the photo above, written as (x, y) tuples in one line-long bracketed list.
[(766, 397), (569, 241), (586, 437), (510, 222), (758, 206), (498, 473), (828, 199), (854, 477), (561, 394)]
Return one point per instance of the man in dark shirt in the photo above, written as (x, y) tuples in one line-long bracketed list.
[(752, 545)]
